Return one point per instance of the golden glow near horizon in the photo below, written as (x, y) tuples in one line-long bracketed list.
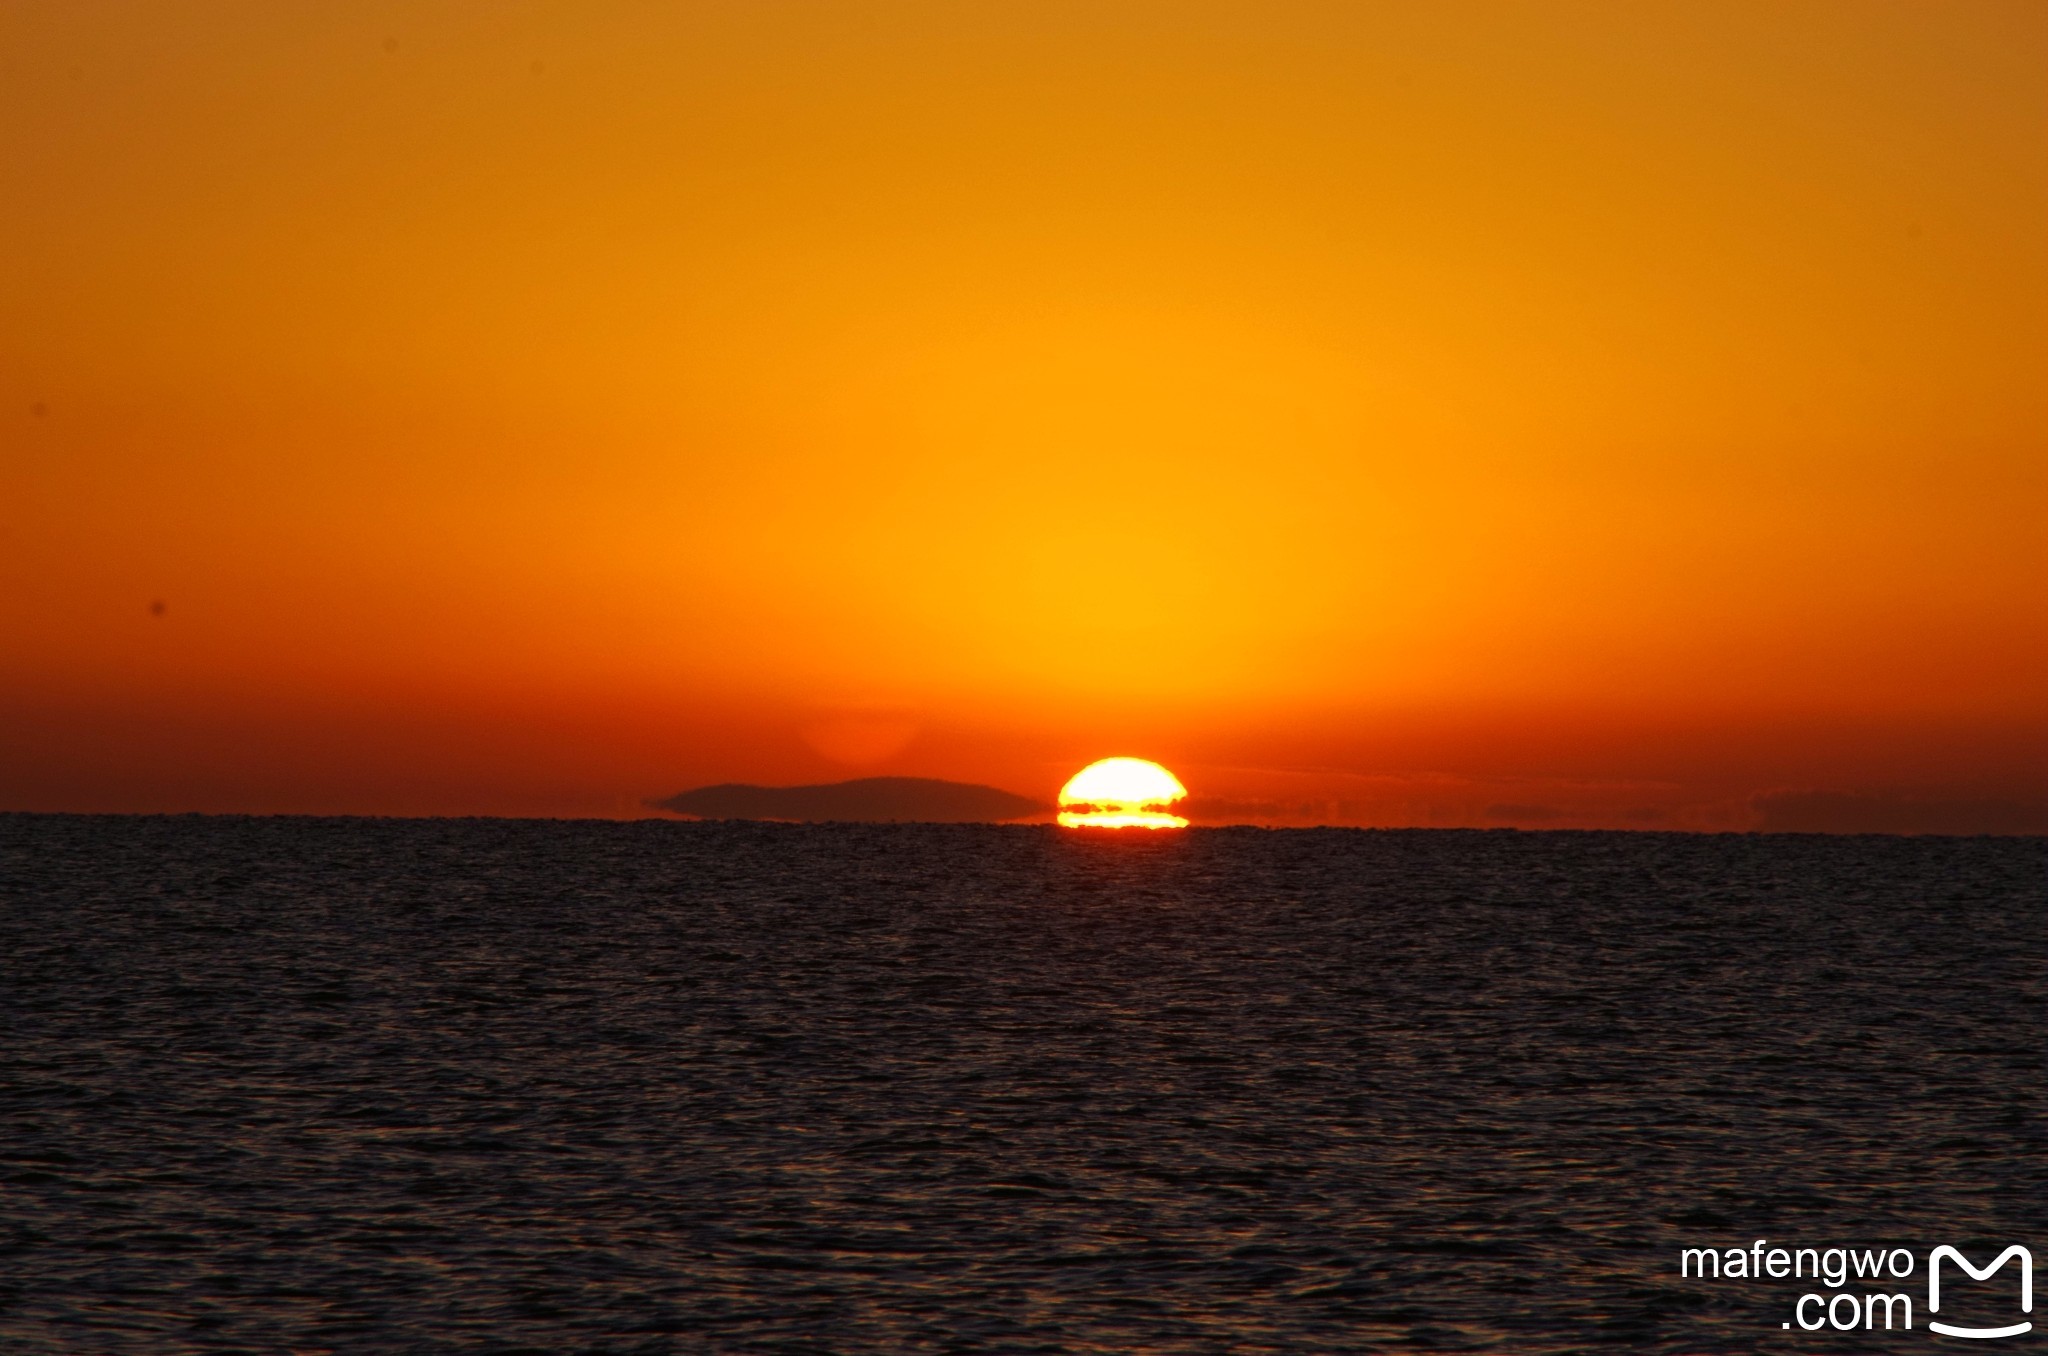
[(1121, 793), (1400, 413)]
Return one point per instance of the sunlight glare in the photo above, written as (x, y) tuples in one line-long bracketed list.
[(1121, 793)]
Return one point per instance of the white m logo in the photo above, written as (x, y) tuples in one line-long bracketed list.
[(1980, 1274)]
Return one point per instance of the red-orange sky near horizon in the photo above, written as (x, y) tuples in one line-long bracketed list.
[(1487, 414)]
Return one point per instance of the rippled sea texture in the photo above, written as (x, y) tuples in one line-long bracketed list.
[(366, 1086)]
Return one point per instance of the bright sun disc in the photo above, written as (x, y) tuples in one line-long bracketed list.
[(1121, 793)]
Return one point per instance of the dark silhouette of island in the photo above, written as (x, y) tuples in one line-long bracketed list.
[(870, 800)]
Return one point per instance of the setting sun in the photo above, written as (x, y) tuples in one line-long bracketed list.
[(644, 501), (1121, 793)]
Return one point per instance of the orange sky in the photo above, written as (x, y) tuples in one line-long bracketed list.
[(1469, 413)]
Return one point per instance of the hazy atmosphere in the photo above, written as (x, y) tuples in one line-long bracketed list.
[(1541, 415)]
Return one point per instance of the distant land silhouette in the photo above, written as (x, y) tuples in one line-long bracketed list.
[(871, 800)]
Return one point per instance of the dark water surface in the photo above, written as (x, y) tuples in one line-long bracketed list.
[(362, 1086)]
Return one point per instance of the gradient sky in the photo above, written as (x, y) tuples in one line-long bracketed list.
[(1403, 413)]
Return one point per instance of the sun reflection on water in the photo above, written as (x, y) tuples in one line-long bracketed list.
[(1120, 819)]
